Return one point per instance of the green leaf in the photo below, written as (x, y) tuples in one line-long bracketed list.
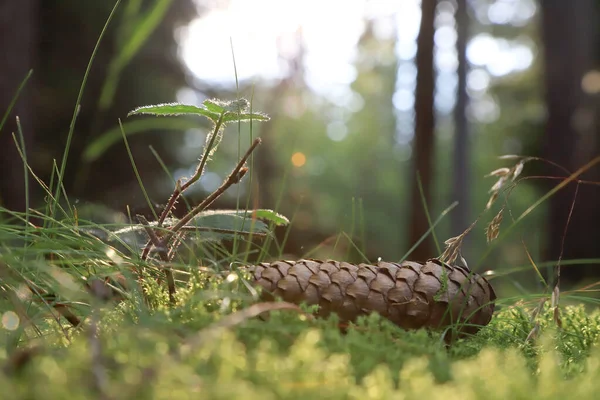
[(214, 225), (271, 216), (215, 105), (235, 106), (223, 219), (139, 32), (260, 214), (255, 116), (143, 29), (102, 143), (238, 105), (14, 99), (211, 109), (169, 109)]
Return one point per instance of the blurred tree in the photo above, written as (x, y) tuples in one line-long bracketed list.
[(292, 85), (424, 132), (572, 129), (506, 115), (62, 34), (351, 158), (372, 138), (17, 44), (461, 159)]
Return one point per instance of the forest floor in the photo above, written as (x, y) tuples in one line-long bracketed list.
[(82, 319)]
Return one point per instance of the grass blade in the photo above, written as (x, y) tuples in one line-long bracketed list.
[(14, 99), (139, 35), (63, 165)]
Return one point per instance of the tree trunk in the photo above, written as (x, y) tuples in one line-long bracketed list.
[(572, 135), (460, 177), (423, 143)]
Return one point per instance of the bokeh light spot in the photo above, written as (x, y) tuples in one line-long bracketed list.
[(10, 320), (298, 159), (591, 82)]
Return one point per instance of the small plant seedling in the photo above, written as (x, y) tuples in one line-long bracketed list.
[(166, 233)]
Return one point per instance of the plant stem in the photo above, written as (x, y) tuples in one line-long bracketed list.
[(179, 189), (162, 251), (238, 172)]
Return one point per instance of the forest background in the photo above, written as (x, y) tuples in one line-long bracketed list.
[(379, 111)]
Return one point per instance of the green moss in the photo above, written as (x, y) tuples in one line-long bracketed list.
[(170, 353)]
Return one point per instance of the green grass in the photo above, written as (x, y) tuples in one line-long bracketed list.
[(151, 349), (83, 315), (148, 346)]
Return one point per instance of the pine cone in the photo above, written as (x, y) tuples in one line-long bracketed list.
[(412, 295)]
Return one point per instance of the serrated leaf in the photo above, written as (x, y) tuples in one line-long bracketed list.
[(213, 225), (238, 106), (235, 106), (174, 109), (260, 214), (255, 116), (211, 109), (228, 221), (271, 216), (214, 105)]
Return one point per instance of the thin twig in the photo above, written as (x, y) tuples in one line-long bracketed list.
[(571, 178), (556, 283), (236, 175), (222, 230), (560, 178), (533, 333), (61, 308), (66, 312), (179, 188), (159, 244), (175, 244), (162, 251)]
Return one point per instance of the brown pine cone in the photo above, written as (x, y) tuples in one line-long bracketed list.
[(410, 294)]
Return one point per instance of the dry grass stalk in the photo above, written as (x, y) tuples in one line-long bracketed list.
[(493, 229), (505, 175), (453, 245)]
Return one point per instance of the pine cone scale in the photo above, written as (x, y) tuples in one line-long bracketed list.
[(412, 295)]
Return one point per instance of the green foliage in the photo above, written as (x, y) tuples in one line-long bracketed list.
[(213, 225), (63, 165), (134, 341), (14, 99), (104, 142), (267, 215), (212, 109), (135, 31), (140, 341), (176, 352)]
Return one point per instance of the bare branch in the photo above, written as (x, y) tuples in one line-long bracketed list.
[(162, 251), (236, 175)]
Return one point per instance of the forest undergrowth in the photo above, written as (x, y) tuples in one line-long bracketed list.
[(164, 307)]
